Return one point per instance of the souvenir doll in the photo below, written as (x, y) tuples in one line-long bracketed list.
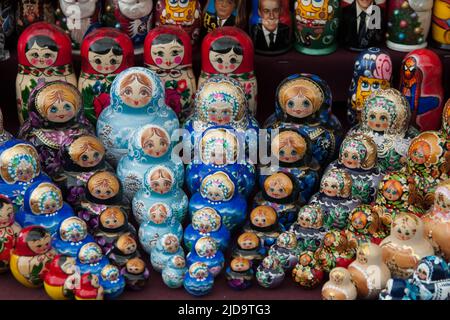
[(240, 274), (124, 249), (133, 17), (4, 135), (307, 272), (198, 281), (334, 251), (270, 273), (395, 290), (167, 246), (316, 26), (137, 98), (335, 198), (223, 13), (158, 222), (112, 281), (44, 54), (7, 26), (421, 84), (43, 206), (286, 250), (364, 225), (228, 51), (60, 278), (186, 14), (91, 259), (78, 19), (340, 286), (264, 223), (31, 256), (19, 168), (406, 245), (408, 24), (9, 230), (161, 184), (173, 273), (439, 24), (445, 127), (207, 251), (206, 222), (372, 71), (249, 246), (168, 52), (32, 11), (309, 228), (368, 272), (135, 273), (218, 190), (55, 120), (71, 236), (89, 288), (105, 52), (271, 26)]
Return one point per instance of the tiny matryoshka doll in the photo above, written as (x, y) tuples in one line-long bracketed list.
[(44, 54), (249, 246), (340, 286), (91, 259), (439, 24), (89, 288), (229, 51), (334, 251), (124, 249), (173, 273), (167, 246), (112, 281), (61, 277), (9, 230), (105, 52), (32, 11), (309, 228), (286, 250), (135, 273), (270, 273), (198, 281), (307, 272), (372, 71), (4, 135), (364, 225), (71, 236), (168, 52), (421, 84), (264, 223), (207, 251), (31, 256), (240, 273), (223, 13)]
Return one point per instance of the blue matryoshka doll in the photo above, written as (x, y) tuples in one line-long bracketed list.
[(71, 236), (112, 282), (43, 206), (198, 281), (137, 98), (166, 247), (173, 273), (218, 190), (207, 251), (91, 259)]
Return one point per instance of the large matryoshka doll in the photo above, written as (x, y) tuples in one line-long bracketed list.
[(408, 24), (181, 13), (372, 71), (78, 18), (440, 28), (9, 230), (271, 26), (137, 98), (55, 120), (44, 53), (223, 13), (316, 24), (168, 52), (105, 52), (421, 84), (229, 51), (32, 11), (134, 17)]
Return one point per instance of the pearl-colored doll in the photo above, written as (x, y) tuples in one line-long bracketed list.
[(167, 246), (173, 273), (206, 250), (340, 286)]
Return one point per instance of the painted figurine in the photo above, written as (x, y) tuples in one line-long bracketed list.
[(71, 236), (265, 224), (309, 228), (307, 272), (90, 259), (270, 273), (124, 249), (240, 274), (89, 288), (439, 24), (44, 53), (364, 225), (168, 52), (167, 246), (135, 273), (249, 246), (206, 250), (334, 251), (173, 273), (60, 279), (112, 281), (340, 286), (32, 11), (223, 13), (105, 52), (9, 231), (4, 135), (198, 281), (286, 250)]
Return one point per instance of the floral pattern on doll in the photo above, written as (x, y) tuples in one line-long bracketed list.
[(73, 230), (217, 187), (90, 253), (206, 247), (46, 199), (218, 147), (356, 154), (336, 183), (206, 220)]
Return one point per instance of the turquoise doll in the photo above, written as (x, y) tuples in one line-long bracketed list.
[(112, 281), (72, 235), (162, 184), (198, 281), (43, 206), (263, 222), (218, 149), (309, 229), (123, 250), (158, 221), (207, 251), (206, 222), (91, 259), (174, 272), (4, 135), (239, 274), (270, 273), (286, 249), (167, 246), (137, 98), (218, 190), (250, 247), (19, 168)]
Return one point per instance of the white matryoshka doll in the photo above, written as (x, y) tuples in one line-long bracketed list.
[(340, 286)]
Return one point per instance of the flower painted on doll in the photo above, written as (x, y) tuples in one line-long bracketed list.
[(217, 187), (101, 102), (46, 198)]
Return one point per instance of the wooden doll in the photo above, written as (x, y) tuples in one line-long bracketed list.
[(31, 11), (223, 13)]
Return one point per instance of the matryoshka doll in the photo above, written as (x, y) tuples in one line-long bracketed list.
[(372, 71), (439, 24), (61, 277), (135, 273), (31, 256), (124, 249), (286, 250), (270, 274), (167, 246), (309, 228), (340, 286), (91, 259), (264, 223), (364, 225), (207, 251), (240, 274), (334, 251), (406, 245), (32, 11), (223, 13), (307, 272), (137, 98), (44, 53), (105, 52), (249, 246), (133, 17), (112, 281), (316, 25), (408, 24), (228, 51), (271, 26), (445, 127), (44, 206), (72, 235), (218, 190), (198, 281), (168, 52), (4, 135), (89, 288), (184, 13), (173, 273), (421, 84), (9, 230)]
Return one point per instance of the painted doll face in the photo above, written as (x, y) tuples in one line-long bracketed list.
[(404, 228), (269, 11), (170, 243), (155, 142), (423, 272), (240, 264), (224, 8), (359, 220), (329, 239), (225, 62), (103, 190), (50, 205), (330, 186), (220, 113), (305, 259), (86, 151), (90, 158), (263, 216), (85, 8), (135, 266), (105, 63), (158, 214), (378, 120), (112, 218), (126, 244), (6, 214), (161, 181), (392, 190), (420, 152), (299, 106), (40, 246), (168, 56), (442, 197), (206, 247), (135, 9), (215, 193), (136, 90), (179, 262), (73, 230), (25, 171), (248, 241), (61, 111), (350, 158), (278, 186), (41, 57), (289, 146)]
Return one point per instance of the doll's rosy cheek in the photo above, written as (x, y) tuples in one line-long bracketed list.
[(49, 62), (177, 59), (159, 61), (100, 68), (232, 66), (34, 61), (220, 66)]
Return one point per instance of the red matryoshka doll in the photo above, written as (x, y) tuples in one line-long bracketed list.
[(89, 288), (9, 231), (168, 52), (421, 84), (223, 13), (44, 53), (61, 278), (105, 52), (229, 51), (440, 26), (31, 11), (181, 13)]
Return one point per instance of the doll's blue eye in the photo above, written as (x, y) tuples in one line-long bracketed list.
[(53, 109), (375, 86), (306, 104), (183, 1), (365, 85), (354, 157), (293, 153), (282, 153), (290, 104), (96, 155), (84, 157), (67, 107), (372, 117)]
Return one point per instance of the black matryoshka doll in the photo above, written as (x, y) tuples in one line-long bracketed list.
[(223, 13), (32, 11), (309, 228), (264, 223), (250, 247), (123, 250)]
